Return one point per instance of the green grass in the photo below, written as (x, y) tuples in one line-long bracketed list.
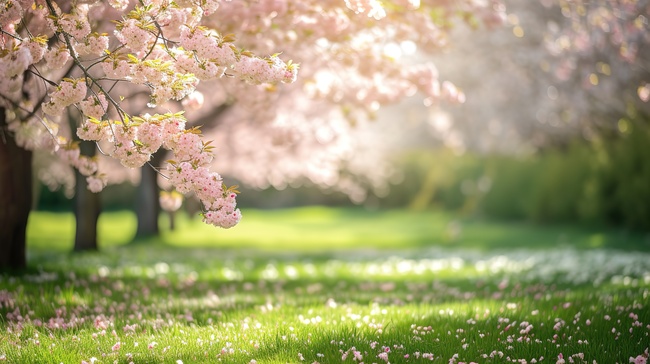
[(322, 284), (311, 229)]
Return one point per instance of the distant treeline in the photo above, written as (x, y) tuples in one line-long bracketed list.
[(606, 180)]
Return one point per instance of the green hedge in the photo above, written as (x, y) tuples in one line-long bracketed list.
[(601, 181)]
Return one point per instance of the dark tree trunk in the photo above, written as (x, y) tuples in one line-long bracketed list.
[(87, 207), (15, 199), (172, 220), (147, 201)]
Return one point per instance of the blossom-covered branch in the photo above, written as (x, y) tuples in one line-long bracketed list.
[(160, 45)]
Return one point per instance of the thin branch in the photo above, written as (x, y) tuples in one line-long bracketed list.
[(157, 170), (11, 35)]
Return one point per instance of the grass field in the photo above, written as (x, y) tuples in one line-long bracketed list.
[(330, 285)]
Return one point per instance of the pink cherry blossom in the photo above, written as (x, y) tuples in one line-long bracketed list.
[(640, 359)]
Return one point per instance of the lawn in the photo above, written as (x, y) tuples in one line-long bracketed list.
[(330, 285)]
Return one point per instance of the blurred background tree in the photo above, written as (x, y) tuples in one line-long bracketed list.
[(557, 115)]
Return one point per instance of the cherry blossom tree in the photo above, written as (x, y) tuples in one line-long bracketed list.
[(52, 60), (602, 47), (101, 59), (561, 70), (558, 79)]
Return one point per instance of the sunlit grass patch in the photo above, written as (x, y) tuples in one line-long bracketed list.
[(313, 229), (54, 231)]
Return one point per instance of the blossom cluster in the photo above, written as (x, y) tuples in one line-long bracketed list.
[(34, 134), (75, 24), (188, 171), (270, 70), (94, 106), (426, 79), (208, 45), (87, 166), (219, 202), (57, 57), (15, 58), (93, 45), (136, 35), (68, 92), (214, 54)]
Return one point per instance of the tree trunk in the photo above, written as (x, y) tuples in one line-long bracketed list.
[(15, 199), (147, 201), (87, 207), (172, 220)]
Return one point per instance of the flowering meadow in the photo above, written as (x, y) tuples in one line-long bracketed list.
[(448, 301)]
